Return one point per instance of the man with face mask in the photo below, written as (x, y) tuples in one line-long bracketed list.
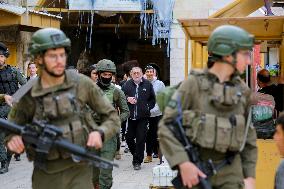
[(141, 99), (105, 70), (10, 79)]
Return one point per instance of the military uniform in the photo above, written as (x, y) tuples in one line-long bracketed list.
[(103, 177), (41, 107), (214, 116), (10, 78), (64, 106)]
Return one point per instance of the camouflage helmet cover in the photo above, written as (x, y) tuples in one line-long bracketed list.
[(106, 65), (48, 38), (228, 39)]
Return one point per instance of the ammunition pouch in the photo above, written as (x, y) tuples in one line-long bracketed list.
[(214, 132), (225, 95)]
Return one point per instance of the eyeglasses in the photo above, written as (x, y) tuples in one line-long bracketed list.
[(55, 57)]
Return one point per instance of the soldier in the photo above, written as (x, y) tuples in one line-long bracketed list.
[(59, 97), (215, 110), (10, 78), (105, 70)]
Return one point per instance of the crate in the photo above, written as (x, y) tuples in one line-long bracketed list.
[(162, 177), (161, 187)]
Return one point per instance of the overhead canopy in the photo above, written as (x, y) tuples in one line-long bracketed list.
[(16, 16), (264, 28), (238, 8)]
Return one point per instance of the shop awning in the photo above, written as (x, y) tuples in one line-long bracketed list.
[(17, 16), (264, 28)]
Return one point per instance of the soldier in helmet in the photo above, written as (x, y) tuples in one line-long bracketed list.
[(59, 97), (215, 112), (105, 70), (10, 80)]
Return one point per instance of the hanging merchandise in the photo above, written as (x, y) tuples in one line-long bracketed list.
[(159, 22), (163, 17)]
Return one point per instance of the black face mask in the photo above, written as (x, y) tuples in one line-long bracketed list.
[(105, 81)]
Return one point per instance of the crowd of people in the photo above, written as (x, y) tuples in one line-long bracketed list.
[(96, 111)]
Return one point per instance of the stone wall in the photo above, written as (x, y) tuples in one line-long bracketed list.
[(187, 9), (20, 41)]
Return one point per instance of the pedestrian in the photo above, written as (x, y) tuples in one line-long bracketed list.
[(156, 115), (106, 69), (266, 87), (127, 66), (10, 80), (279, 140), (59, 97), (214, 104), (93, 73), (32, 71), (140, 97)]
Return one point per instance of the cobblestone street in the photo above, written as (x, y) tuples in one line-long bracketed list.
[(19, 175)]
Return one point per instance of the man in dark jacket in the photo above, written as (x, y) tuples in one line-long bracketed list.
[(140, 97)]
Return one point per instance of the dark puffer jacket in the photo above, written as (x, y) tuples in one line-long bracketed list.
[(145, 96)]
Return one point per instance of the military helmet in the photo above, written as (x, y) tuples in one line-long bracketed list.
[(4, 50), (228, 39), (48, 38), (106, 65)]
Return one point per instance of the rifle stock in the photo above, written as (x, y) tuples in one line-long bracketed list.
[(49, 135)]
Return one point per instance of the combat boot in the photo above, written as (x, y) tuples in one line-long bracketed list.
[(4, 167)]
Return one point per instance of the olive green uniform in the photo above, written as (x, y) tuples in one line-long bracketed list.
[(63, 105), (118, 99), (208, 107)]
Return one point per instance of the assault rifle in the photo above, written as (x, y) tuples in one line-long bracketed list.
[(192, 152), (42, 137)]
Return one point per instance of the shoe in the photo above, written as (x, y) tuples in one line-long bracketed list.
[(126, 150), (148, 159), (123, 144), (4, 167), (17, 157), (117, 155), (156, 156), (137, 167)]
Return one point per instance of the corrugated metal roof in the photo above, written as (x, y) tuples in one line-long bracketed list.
[(20, 10), (12, 9)]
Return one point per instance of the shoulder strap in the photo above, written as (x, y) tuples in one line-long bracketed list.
[(116, 95), (24, 90), (200, 76)]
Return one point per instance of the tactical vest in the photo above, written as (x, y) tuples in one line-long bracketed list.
[(8, 81), (218, 122), (63, 109)]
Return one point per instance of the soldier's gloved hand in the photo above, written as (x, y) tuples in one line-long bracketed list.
[(8, 100), (95, 140), (190, 173), (16, 144), (249, 183)]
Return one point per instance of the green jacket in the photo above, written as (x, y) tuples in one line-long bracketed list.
[(117, 97), (192, 98)]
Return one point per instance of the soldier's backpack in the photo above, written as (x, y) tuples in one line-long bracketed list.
[(164, 96)]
